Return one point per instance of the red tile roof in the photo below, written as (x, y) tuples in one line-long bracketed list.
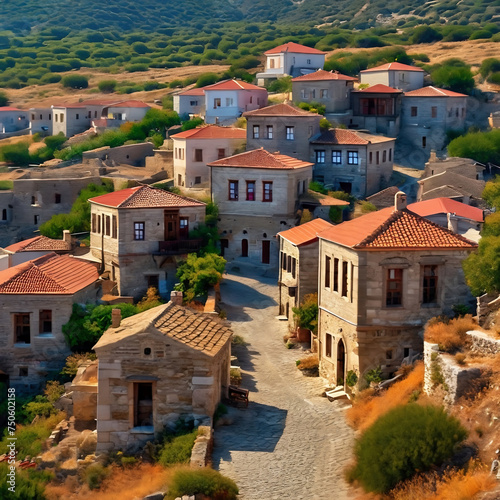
[(193, 92), (212, 132), (389, 229), (9, 108), (260, 158), (393, 66), (50, 274), (445, 206), (295, 48), (431, 91), (282, 109), (144, 197), (129, 104), (233, 85), (340, 136), (39, 243), (321, 74), (381, 89), (305, 233)]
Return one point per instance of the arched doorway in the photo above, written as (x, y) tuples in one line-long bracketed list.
[(340, 362), (244, 248)]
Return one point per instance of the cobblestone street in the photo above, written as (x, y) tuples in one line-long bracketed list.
[(290, 443)]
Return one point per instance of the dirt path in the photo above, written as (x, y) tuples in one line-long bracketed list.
[(290, 443)]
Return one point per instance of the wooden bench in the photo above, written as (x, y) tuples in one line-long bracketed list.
[(237, 395)]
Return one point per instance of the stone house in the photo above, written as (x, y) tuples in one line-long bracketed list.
[(138, 233), (226, 101), (282, 127), (395, 75), (427, 113), (257, 193), (330, 88), (462, 166), (194, 148), (298, 272), (376, 109), (190, 102), (156, 367), (381, 277), (450, 184), (12, 120), (350, 161), (36, 301), (40, 120), (384, 198), (290, 59)]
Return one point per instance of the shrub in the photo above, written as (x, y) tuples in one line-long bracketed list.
[(75, 81), (306, 315), (107, 86), (4, 100), (55, 141), (177, 449), (94, 475), (450, 335), (134, 68), (460, 358), (374, 375), (425, 34), (6, 185), (73, 361), (205, 481), (50, 78), (309, 365), (30, 484), (430, 437), (318, 187), (281, 85), (207, 79), (367, 207), (458, 79), (324, 124), (17, 153), (351, 378), (306, 216)]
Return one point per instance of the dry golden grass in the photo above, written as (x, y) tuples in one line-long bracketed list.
[(309, 362), (366, 410), (450, 336)]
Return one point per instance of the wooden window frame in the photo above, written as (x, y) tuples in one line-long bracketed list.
[(267, 191), (232, 190), (250, 192), (394, 287), (139, 231)]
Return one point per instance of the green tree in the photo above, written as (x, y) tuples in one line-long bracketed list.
[(281, 85), (54, 142), (306, 315), (458, 79), (75, 81), (107, 86), (17, 153), (425, 34), (483, 147), (4, 100)]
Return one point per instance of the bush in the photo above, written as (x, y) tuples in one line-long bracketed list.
[(6, 185), (425, 34), (207, 79), (17, 153), (374, 375), (50, 78), (306, 315), (205, 481), (281, 85), (177, 449), (450, 335), (107, 86), (55, 141), (367, 207), (458, 79), (75, 81), (317, 187), (429, 435), (94, 475), (4, 100), (30, 484)]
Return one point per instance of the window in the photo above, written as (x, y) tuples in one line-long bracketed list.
[(283, 261), (221, 153), (153, 281), (390, 154), (335, 275), (394, 288), (176, 154), (328, 345), (352, 158), (250, 190), (303, 94), (233, 190), (143, 404), (268, 191), (198, 155), (61, 118), (290, 133), (388, 354), (313, 94), (328, 261), (229, 101), (99, 224), (424, 142), (23, 371), (289, 263), (193, 103), (115, 227), (45, 321), (430, 282), (434, 112), (294, 266), (77, 116), (33, 116), (320, 156), (323, 93), (22, 332), (57, 198), (94, 223), (371, 157), (56, 117), (413, 111), (309, 61), (139, 230), (344, 278), (197, 179), (181, 153), (216, 103), (256, 131), (184, 227), (36, 220), (269, 131), (107, 231)]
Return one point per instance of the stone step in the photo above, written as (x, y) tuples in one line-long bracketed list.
[(336, 394)]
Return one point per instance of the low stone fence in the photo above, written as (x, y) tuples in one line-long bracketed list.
[(202, 449), (481, 343)]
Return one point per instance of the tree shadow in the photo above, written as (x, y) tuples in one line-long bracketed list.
[(243, 295)]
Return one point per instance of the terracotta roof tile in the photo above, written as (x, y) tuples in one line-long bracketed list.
[(282, 109), (260, 158), (380, 88), (10, 108), (295, 48), (39, 243), (195, 91), (340, 136), (212, 132), (390, 229), (393, 66), (305, 233), (431, 91), (50, 274), (144, 197), (129, 104), (233, 85), (445, 206), (321, 75)]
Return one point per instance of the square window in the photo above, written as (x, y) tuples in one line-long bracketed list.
[(23, 371), (320, 157), (336, 157), (139, 230), (153, 281), (198, 155), (197, 180), (352, 158), (221, 153)]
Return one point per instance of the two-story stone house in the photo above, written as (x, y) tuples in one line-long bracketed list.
[(353, 162), (137, 232), (194, 148), (381, 277), (190, 102), (37, 298), (330, 88), (395, 75), (282, 127), (257, 193)]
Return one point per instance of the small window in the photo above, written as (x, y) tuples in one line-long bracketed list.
[(23, 371), (107, 230), (335, 275), (61, 118), (390, 154), (429, 286), (269, 129), (328, 261), (36, 220), (336, 157), (139, 230), (294, 266), (77, 116), (45, 321), (283, 261), (197, 180), (352, 158), (323, 93), (424, 142), (250, 190), (153, 281), (388, 354), (344, 278), (384, 156), (328, 345), (256, 131), (233, 191), (57, 198), (371, 157), (434, 112), (143, 404), (184, 227), (221, 153), (377, 156), (290, 133), (394, 288), (198, 155), (309, 61), (413, 111), (216, 103), (320, 156), (147, 351), (22, 330), (229, 101), (114, 234), (193, 103), (267, 194)]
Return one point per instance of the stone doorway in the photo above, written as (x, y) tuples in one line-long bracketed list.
[(340, 362), (244, 248)]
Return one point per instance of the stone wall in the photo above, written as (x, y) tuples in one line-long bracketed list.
[(129, 154), (481, 343)]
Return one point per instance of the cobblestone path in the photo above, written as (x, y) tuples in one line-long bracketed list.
[(290, 443)]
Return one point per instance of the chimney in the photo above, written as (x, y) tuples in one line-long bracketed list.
[(116, 318), (452, 222), (399, 201), (433, 156), (176, 297), (67, 237)]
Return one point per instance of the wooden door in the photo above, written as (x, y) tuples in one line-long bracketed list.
[(266, 251), (171, 225), (340, 362), (244, 248)]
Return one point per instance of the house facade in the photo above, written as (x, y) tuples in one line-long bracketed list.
[(194, 148), (282, 127), (156, 367), (37, 299), (329, 88), (13, 120), (137, 233), (40, 121), (395, 75), (226, 101), (298, 271), (353, 162), (290, 59), (190, 102), (381, 277), (257, 193)]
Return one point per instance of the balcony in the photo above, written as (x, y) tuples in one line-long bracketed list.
[(178, 247)]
